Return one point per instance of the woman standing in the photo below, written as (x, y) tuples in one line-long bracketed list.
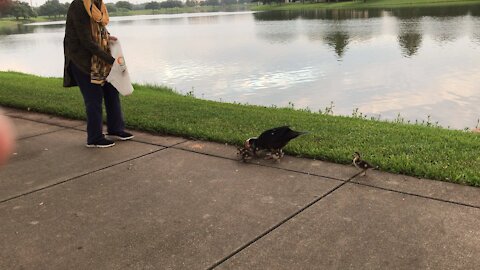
[(87, 64)]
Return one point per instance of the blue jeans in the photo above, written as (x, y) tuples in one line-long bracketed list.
[(93, 95)]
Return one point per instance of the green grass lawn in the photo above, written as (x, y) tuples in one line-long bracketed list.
[(416, 150), (7, 23)]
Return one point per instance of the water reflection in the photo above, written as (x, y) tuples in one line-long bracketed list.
[(341, 14), (436, 12), (338, 40), (283, 15), (318, 14), (476, 34), (350, 14), (446, 30), (445, 24), (17, 29), (31, 28), (277, 33), (203, 20), (410, 36)]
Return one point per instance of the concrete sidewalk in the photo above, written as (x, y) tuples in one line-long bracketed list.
[(162, 202)]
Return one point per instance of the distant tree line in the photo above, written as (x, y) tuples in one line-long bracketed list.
[(4, 6), (17, 9), (53, 8)]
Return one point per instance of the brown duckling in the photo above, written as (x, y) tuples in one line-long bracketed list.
[(361, 164)]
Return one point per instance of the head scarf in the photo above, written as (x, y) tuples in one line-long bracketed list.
[(99, 19)]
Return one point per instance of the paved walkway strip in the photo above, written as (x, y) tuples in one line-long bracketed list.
[(162, 202)]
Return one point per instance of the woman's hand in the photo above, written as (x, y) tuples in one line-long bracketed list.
[(7, 138), (113, 38), (121, 63)]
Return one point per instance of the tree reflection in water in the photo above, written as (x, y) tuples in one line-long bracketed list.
[(343, 26)]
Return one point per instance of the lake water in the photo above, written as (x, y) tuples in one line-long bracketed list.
[(412, 62)]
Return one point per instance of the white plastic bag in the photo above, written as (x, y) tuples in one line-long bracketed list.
[(119, 79)]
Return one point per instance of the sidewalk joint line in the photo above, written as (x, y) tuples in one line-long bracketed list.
[(302, 172), (77, 128), (416, 195), (48, 123), (264, 165), (41, 134), (78, 176), (157, 144), (337, 179), (271, 229)]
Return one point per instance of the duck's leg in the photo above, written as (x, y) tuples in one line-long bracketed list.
[(277, 155), (269, 155), (254, 152)]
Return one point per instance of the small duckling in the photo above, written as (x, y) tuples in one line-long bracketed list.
[(361, 164), (275, 154), (244, 153)]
